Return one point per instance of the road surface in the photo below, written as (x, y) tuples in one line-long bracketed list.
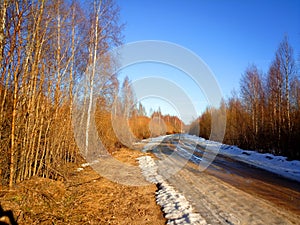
[(229, 192)]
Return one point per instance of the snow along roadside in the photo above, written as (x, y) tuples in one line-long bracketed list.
[(175, 206), (276, 164)]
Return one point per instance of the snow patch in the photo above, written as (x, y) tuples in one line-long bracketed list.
[(275, 164), (175, 206), (89, 163), (79, 169)]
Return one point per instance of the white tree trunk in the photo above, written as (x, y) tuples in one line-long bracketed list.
[(92, 76)]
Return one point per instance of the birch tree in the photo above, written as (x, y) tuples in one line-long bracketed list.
[(44, 45), (287, 69), (104, 32), (252, 92)]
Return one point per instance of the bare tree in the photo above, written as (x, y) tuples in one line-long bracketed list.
[(3, 4), (43, 47), (287, 69), (252, 92), (104, 32)]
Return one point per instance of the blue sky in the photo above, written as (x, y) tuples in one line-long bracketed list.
[(227, 35)]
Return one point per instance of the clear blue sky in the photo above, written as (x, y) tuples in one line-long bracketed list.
[(227, 35)]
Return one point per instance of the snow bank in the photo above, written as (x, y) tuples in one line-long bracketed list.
[(275, 164), (175, 206)]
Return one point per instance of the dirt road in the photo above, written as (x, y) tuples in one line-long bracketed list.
[(230, 192)]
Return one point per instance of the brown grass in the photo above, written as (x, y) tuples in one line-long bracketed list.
[(83, 198)]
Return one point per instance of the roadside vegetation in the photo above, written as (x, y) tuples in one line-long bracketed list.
[(54, 58), (46, 47), (264, 114)]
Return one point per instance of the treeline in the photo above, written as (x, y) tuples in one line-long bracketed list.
[(155, 125), (46, 48), (132, 123), (265, 114)]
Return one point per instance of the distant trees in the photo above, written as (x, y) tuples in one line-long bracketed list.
[(164, 124), (265, 115), (205, 124), (131, 122), (157, 124), (236, 128)]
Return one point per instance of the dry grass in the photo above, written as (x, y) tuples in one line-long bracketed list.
[(84, 198)]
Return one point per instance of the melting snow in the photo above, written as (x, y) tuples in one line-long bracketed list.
[(175, 206), (275, 164)]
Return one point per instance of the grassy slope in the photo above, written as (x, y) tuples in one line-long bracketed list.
[(83, 198)]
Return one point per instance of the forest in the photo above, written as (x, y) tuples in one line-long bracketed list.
[(46, 47), (49, 52), (52, 50), (264, 114)]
